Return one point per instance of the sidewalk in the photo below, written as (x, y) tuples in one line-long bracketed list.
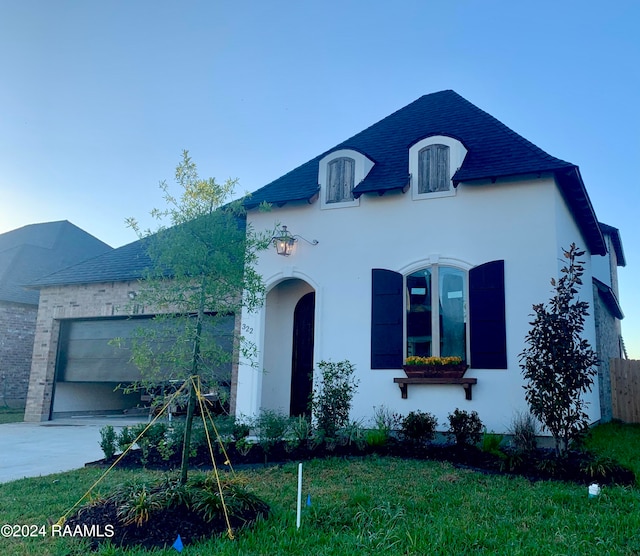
[(35, 449)]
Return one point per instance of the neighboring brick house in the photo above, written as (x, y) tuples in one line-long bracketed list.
[(28, 253)]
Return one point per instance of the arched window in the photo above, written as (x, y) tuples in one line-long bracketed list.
[(436, 314), (436, 321), (340, 180), (433, 161), (433, 169)]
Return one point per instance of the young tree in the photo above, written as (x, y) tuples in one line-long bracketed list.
[(558, 363), (332, 395), (202, 274)]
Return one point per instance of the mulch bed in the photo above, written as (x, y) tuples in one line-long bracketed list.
[(541, 464), (161, 530)]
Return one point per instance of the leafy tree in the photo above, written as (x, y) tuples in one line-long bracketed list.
[(202, 274), (558, 363)]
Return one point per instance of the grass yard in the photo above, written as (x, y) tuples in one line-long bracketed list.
[(8, 415), (619, 441), (380, 506)]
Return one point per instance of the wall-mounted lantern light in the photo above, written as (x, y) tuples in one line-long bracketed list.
[(284, 241)]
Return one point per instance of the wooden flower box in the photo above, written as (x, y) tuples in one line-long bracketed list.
[(435, 371)]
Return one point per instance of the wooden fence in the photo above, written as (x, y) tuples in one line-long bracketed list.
[(625, 389)]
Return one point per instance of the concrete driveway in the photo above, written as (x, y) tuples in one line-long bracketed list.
[(35, 449)]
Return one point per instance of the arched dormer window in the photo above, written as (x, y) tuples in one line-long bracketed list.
[(340, 180), (432, 163), (339, 173), (433, 169)]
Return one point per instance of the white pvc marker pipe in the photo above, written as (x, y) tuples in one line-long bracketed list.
[(299, 511)]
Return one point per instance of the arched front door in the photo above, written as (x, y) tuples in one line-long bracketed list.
[(302, 355)]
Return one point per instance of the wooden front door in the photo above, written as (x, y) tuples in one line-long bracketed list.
[(302, 356)]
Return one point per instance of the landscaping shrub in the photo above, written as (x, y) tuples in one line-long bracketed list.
[(418, 427), (465, 428), (198, 436), (241, 427), (376, 438), (352, 434), (334, 387), (386, 420), (173, 440), (524, 432), (150, 437), (384, 423), (299, 432), (271, 428), (142, 511), (108, 441), (125, 438), (491, 442)]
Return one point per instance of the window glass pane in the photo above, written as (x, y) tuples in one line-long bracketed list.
[(419, 313), (451, 291)]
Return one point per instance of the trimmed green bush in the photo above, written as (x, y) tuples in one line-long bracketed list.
[(418, 427), (464, 427)]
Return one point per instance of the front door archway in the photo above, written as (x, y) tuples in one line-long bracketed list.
[(302, 355)]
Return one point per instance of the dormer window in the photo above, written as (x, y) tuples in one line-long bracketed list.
[(432, 163), (340, 180), (433, 169), (339, 173)]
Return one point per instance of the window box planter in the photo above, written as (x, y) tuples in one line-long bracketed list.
[(435, 371)]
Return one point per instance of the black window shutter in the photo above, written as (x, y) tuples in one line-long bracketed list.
[(487, 324), (386, 319)]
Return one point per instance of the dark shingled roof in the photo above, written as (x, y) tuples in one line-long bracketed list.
[(36, 250), (127, 263), (494, 151), (617, 242), (124, 264), (609, 298)]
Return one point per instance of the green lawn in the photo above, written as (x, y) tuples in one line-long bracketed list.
[(8, 415), (382, 506), (619, 441)]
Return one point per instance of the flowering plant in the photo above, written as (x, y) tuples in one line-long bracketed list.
[(417, 360)]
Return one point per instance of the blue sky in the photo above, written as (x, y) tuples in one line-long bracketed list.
[(98, 98)]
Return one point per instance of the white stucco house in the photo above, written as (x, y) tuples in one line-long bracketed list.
[(437, 229), (432, 232)]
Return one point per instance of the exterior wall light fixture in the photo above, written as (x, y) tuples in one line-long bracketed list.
[(284, 241)]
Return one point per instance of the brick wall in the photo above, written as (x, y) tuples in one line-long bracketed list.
[(73, 302), (608, 347), (68, 302), (17, 329)]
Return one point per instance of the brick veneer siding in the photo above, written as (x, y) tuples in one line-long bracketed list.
[(64, 302), (17, 329), (73, 302), (608, 347)]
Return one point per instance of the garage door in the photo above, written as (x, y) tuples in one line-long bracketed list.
[(86, 353)]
